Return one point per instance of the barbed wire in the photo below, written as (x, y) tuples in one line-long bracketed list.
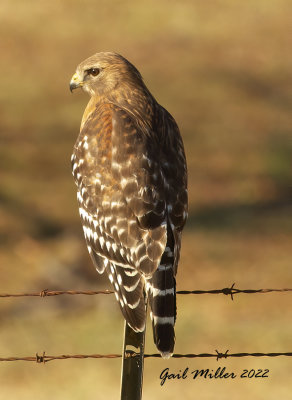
[(228, 291), (48, 293), (218, 355)]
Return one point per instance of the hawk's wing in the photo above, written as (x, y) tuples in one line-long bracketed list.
[(131, 193), (120, 190), (174, 171)]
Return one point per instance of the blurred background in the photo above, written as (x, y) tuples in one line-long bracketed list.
[(224, 70)]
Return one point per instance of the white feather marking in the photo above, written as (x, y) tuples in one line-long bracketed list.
[(142, 258), (79, 198), (81, 212), (131, 273), (108, 245), (89, 233), (163, 267), (116, 204), (107, 220), (158, 292), (114, 247), (122, 252), (169, 252), (133, 287), (141, 244), (124, 181), (114, 151), (166, 355), (163, 320), (116, 166), (134, 305), (121, 231)]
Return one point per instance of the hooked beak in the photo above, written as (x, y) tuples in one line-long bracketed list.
[(75, 82)]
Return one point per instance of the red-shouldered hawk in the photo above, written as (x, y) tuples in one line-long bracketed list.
[(130, 170)]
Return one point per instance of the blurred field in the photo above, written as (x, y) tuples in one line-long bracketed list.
[(224, 70)]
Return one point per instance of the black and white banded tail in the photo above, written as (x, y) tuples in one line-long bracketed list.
[(162, 301)]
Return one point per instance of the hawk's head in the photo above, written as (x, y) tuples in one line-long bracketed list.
[(102, 73)]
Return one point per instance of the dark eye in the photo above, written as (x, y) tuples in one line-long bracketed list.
[(93, 71)]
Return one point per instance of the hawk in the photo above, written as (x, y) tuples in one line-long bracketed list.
[(130, 170)]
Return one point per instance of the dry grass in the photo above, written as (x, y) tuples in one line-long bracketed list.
[(223, 69)]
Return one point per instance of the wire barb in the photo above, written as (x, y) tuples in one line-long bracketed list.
[(43, 293), (40, 359), (221, 355)]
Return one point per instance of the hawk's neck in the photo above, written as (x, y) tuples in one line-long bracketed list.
[(137, 101)]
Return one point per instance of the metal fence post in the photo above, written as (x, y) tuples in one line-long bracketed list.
[(132, 367)]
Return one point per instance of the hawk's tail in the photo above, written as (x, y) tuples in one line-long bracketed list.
[(162, 301)]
